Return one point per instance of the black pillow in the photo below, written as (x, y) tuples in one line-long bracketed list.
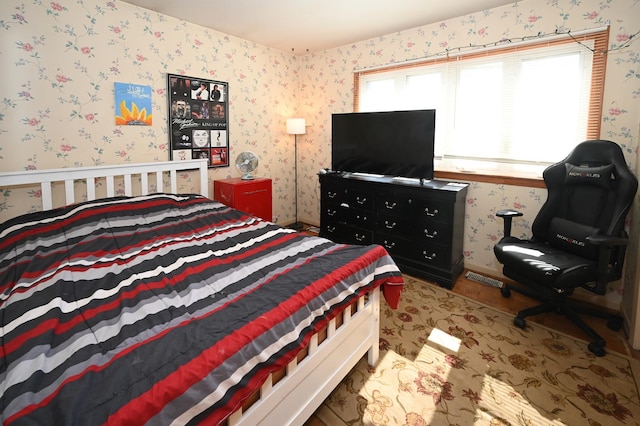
[(579, 175), (571, 237)]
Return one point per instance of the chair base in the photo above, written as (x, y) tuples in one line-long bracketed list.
[(559, 303)]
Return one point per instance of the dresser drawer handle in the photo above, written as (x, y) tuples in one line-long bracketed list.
[(331, 212), (430, 213), (361, 218), (361, 200), (389, 206), (332, 194), (428, 256), (360, 237), (389, 245), (389, 225), (331, 228), (428, 235)]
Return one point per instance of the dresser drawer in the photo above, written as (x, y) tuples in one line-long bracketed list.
[(393, 203), (433, 209), (395, 244), (360, 218), (431, 231), (333, 195), (337, 213), (347, 234), (394, 224), (348, 198), (434, 255), (359, 199), (333, 213)]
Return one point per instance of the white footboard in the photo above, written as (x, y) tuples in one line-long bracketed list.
[(307, 383)]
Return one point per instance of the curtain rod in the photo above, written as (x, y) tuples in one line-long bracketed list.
[(488, 47)]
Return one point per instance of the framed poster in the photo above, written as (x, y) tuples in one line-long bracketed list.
[(133, 104), (198, 119)]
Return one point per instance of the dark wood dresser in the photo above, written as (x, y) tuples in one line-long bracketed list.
[(421, 224)]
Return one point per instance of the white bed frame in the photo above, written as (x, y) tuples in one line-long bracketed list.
[(307, 381)]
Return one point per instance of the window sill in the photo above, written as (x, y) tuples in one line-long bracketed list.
[(501, 174)]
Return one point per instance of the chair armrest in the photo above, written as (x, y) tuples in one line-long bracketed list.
[(608, 269), (507, 215), (508, 212), (608, 240)]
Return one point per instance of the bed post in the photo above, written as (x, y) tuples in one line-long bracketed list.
[(374, 351), (204, 179)]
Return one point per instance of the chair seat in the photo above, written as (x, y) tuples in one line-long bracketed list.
[(544, 264)]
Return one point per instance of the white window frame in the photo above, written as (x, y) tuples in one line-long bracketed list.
[(446, 157)]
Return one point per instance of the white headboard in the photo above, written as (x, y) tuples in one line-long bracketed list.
[(45, 178)]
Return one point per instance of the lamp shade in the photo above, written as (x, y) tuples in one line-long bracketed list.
[(295, 126)]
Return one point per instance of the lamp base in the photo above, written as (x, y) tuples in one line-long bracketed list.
[(297, 226)]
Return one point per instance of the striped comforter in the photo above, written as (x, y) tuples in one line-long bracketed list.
[(136, 310)]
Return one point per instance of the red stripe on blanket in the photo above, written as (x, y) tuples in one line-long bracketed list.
[(96, 253), (59, 328), (149, 404), (216, 348), (93, 210)]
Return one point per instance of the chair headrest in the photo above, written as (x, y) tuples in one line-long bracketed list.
[(592, 186), (590, 175)]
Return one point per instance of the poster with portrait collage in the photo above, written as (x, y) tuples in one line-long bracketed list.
[(198, 119)]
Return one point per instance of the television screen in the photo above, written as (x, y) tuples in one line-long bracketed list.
[(393, 143)]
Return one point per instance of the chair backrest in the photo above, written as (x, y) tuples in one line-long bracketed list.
[(589, 192)]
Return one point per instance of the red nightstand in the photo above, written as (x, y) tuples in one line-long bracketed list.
[(250, 196)]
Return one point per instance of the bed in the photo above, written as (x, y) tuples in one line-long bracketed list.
[(137, 304)]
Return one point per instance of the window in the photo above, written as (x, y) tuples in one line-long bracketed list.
[(513, 109)]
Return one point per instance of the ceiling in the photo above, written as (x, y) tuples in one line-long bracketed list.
[(308, 26)]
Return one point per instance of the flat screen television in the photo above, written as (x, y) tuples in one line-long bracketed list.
[(393, 143)]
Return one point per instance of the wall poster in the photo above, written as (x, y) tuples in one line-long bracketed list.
[(133, 104), (198, 119)]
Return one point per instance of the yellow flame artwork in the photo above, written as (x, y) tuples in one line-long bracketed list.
[(133, 116)]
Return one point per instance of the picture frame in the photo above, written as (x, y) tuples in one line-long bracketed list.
[(198, 119), (133, 104)]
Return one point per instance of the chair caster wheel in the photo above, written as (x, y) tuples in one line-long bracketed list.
[(614, 323), (596, 349), (505, 292), (520, 322)]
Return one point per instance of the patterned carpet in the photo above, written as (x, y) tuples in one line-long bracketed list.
[(448, 360)]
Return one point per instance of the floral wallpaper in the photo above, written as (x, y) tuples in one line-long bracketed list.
[(60, 60)]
